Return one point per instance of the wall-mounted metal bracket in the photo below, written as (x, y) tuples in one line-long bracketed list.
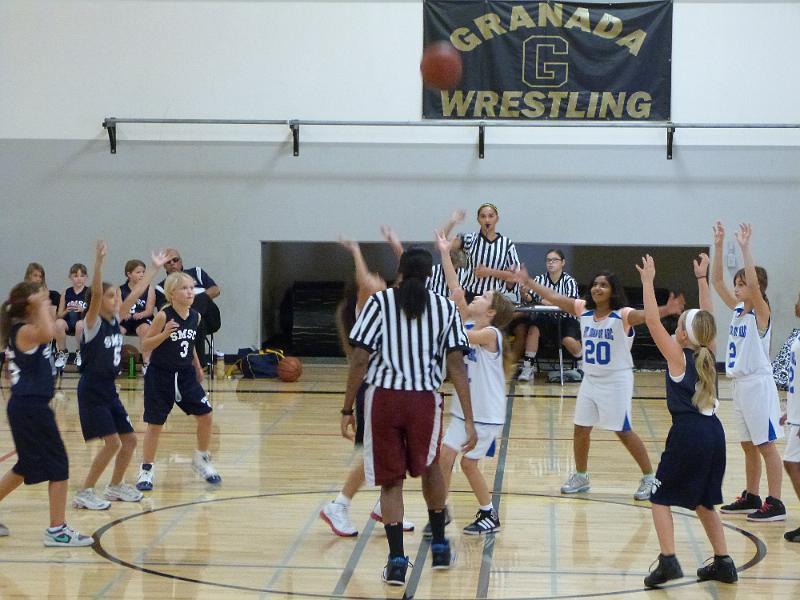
[(670, 136), (111, 127), (481, 140), (295, 127)]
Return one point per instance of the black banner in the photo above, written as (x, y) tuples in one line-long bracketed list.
[(554, 60)]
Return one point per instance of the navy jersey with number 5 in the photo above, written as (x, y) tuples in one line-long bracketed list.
[(101, 348), (176, 352), (32, 374)]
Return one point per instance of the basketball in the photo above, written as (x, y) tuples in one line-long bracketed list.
[(290, 369), (441, 66), (129, 350)]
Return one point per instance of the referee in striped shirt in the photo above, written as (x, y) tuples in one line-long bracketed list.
[(491, 257), (400, 342)]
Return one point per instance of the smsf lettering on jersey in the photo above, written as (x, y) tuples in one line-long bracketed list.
[(183, 334)]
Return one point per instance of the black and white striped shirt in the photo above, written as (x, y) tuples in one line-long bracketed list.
[(408, 354), (500, 254), (438, 284), (566, 286)]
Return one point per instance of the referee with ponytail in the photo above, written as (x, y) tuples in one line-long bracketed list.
[(400, 343)]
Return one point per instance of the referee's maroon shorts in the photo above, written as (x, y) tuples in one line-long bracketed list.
[(402, 432)]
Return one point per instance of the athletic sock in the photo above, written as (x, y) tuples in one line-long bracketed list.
[(487, 508), (436, 518), (394, 534), (342, 499)]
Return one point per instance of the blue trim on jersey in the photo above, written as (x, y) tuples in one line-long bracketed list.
[(626, 426), (615, 315), (772, 435), (588, 313)]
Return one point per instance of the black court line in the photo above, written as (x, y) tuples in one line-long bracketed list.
[(488, 543), (761, 549)]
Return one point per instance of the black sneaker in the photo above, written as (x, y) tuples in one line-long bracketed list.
[(668, 568), (486, 521), (792, 536), (443, 557), (772, 510), (394, 573), (721, 569), (427, 532), (743, 505)]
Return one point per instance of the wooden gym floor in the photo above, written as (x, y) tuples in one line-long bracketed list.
[(279, 451)]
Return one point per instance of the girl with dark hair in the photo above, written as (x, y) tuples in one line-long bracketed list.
[(693, 463), (606, 392), (26, 328), (400, 343), (755, 396)]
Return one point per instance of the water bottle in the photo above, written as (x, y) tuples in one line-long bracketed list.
[(219, 364), (131, 367)]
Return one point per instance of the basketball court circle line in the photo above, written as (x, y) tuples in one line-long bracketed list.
[(758, 556)]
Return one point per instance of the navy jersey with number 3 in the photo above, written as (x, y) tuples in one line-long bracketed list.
[(31, 374), (176, 352)]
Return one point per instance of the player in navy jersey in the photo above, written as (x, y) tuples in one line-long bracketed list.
[(693, 463), (175, 377), (755, 395), (26, 328), (140, 316), (101, 412), (69, 314)]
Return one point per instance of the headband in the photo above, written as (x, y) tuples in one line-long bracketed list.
[(490, 205), (688, 324)]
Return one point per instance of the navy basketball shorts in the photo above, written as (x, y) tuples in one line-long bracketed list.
[(100, 410), (41, 455), (130, 325), (72, 318), (164, 389)]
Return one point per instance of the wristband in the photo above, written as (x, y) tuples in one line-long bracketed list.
[(346, 412)]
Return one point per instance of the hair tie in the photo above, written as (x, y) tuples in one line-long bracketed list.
[(688, 324)]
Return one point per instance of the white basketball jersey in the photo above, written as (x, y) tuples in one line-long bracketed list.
[(793, 395), (487, 384), (748, 352), (606, 343)]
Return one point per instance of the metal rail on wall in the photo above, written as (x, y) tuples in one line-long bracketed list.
[(110, 124)]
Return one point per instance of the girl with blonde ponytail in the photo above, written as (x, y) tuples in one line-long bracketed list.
[(693, 463)]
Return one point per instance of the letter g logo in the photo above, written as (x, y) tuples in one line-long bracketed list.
[(540, 69)]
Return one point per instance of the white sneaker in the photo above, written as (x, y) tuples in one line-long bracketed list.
[(89, 500), (337, 516), (376, 515), (61, 359), (66, 537), (645, 488), (123, 492), (78, 360), (576, 484), (201, 463), (3, 530), (526, 372), (145, 479)]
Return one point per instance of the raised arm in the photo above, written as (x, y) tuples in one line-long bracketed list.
[(455, 218), (666, 344), (394, 242), (367, 282), (157, 260), (674, 306), (450, 275), (701, 274), (565, 303), (101, 249), (743, 236), (717, 277)]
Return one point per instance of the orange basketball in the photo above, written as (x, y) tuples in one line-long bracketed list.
[(441, 66), (290, 369)]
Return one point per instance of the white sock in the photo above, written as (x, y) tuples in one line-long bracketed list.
[(342, 499), (530, 356), (487, 508)]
